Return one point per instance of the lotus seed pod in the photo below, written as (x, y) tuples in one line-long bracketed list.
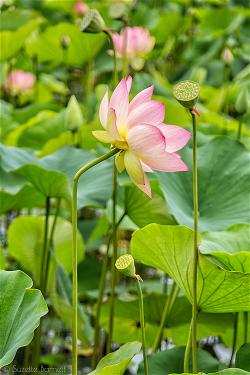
[(93, 22), (242, 101), (73, 115), (187, 93), (126, 265)]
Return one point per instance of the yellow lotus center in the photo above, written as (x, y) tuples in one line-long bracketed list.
[(123, 133)]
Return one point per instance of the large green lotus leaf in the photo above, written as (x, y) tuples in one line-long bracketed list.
[(221, 202), (231, 248), (143, 210), (15, 193), (168, 24), (21, 310), (215, 22), (37, 130), (165, 362), (170, 248), (25, 240), (53, 174), (12, 41), (82, 47), (116, 363), (242, 357), (14, 19)]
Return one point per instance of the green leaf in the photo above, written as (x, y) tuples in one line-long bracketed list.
[(15, 193), (12, 41), (143, 210), (21, 310), (228, 371), (165, 362), (53, 174), (25, 240), (82, 48), (221, 202), (116, 363), (231, 248), (170, 248), (242, 357)]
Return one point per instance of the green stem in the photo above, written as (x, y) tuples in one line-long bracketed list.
[(235, 334), (142, 322), (11, 368), (187, 351), (37, 336), (245, 316), (47, 261), (239, 130), (74, 252), (100, 299), (96, 351), (167, 308), (196, 251), (114, 257), (108, 33)]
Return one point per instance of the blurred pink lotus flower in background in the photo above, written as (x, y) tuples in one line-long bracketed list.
[(80, 8), (18, 82), (133, 43), (137, 128)]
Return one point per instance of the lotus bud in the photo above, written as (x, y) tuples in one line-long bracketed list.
[(93, 22), (126, 265), (187, 93), (227, 56), (65, 41), (242, 101), (73, 116)]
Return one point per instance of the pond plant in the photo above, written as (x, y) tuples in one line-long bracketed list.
[(124, 152)]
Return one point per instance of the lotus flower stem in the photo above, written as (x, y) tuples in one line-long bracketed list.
[(187, 351), (239, 130), (245, 315), (37, 336), (114, 257), (142, 322), (235, 334), (100, 298), (196, 250), (74, 252), (47, 261), (109, 35), (166, 311)]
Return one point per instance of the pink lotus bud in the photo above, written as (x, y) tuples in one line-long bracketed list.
[(133, 42), (80, 8), (19, 81), (227, 56), (137, 128)]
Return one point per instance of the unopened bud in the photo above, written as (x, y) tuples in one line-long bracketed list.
[(126, 265), (73, 116), (227, 56), (65, 41), (93, 22), (242, 101), (187, 93)]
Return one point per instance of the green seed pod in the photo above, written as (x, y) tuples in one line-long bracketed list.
[(73, 115), (93, 22), (118, 11), (242, 101), (126, 265), (187, 93)]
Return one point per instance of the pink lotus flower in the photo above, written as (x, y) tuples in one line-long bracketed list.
[(137, 129), (19, 81), (80, 8), (133, 43)]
